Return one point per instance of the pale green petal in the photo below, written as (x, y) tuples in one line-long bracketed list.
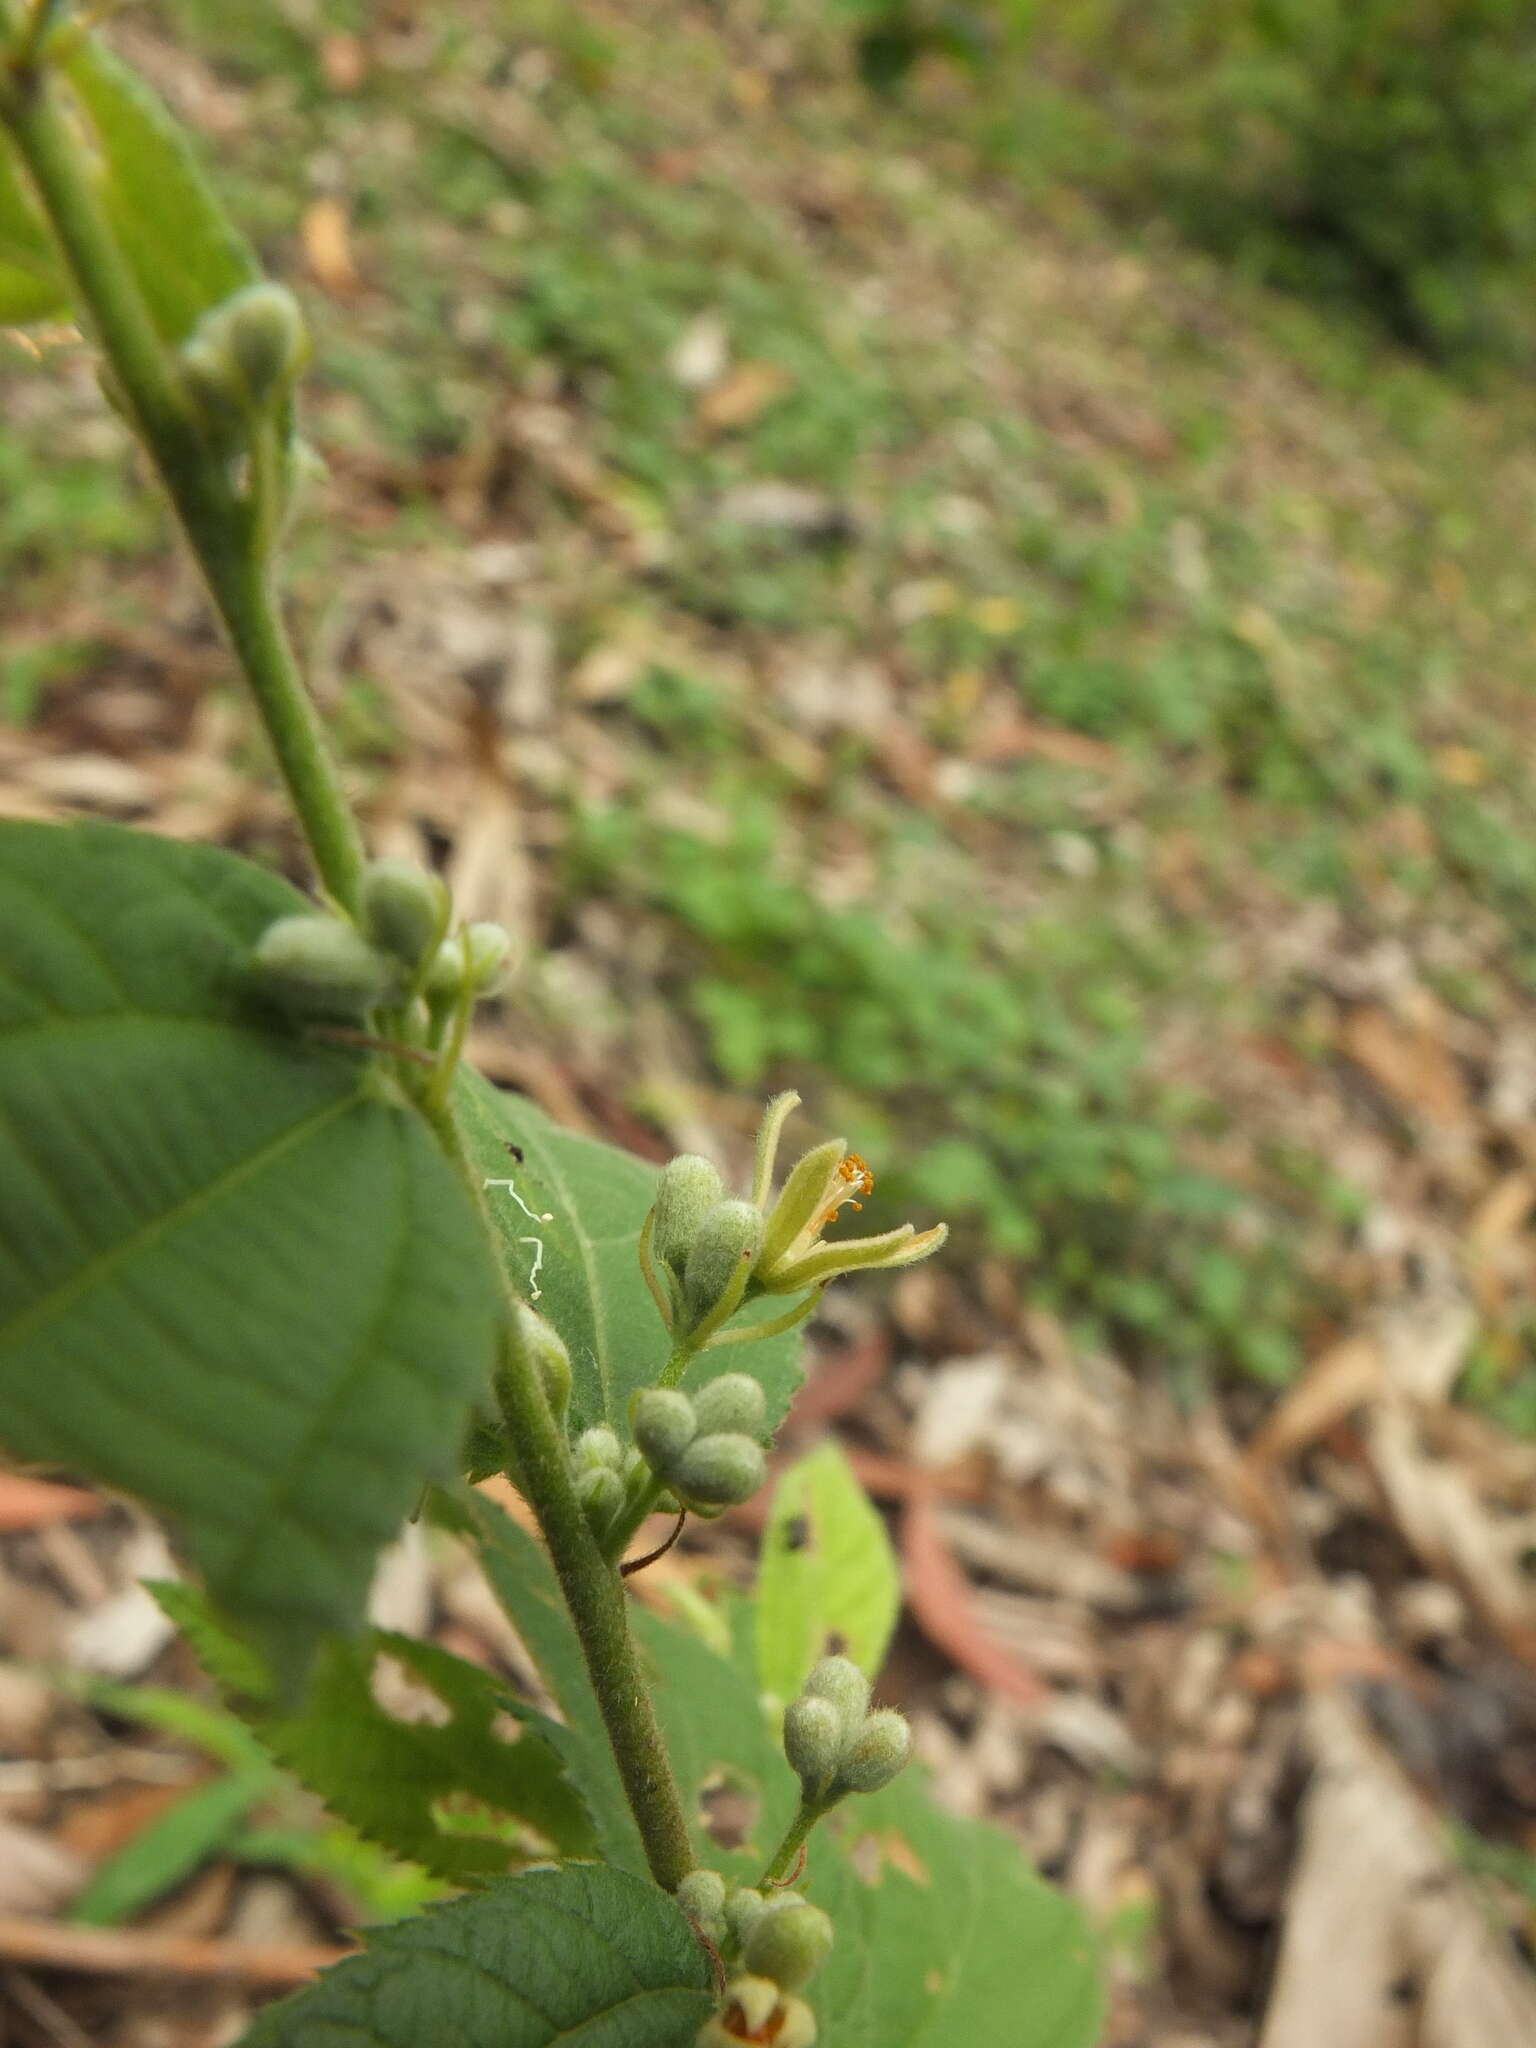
[(775, 1116), (807, 1195), (903, 1247)]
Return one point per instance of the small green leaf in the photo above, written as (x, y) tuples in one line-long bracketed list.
[(584, 1260), (237, 1280), (827, 1579), (174, 234), (393, 1779), (580, 1955), (171, 1848), (31, 282)]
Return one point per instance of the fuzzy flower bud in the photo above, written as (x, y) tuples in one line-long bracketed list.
[(547, 1349), (839, 1680), (720, 1261), (719, 1471), (688, 1189), (318, 967), (664, 1424), (877, 1753), (487, 948), (445, 976), (742, 1908), (734, 1402), (599, 1447), (788, 1941), (814, 1735), (601, 1493), (405, 910), (702, 1896)]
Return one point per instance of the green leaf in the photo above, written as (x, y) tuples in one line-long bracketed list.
[(588, 1271), (171, 1848), (184, 254), (944, 1933), (827, 1579), (237, 1280), (32, 284), (439, 1791), (582, 1956)]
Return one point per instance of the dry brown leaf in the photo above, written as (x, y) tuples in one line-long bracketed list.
[(38, 1873), (1338, 1381), (939, 1595), (1491, 1241), (1385, 1945), (28, 1503), (1407, 1061), (327, 242), (741, 396)]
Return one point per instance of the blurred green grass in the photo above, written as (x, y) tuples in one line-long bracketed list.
[(1065, 474)]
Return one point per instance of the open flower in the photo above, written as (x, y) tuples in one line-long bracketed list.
[(704, 1255), (794, 1255)]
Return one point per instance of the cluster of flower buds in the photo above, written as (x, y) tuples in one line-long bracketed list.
[(835, 1745), (705, 1448), (777, 1940), (244, 356), (607, 1479), (706, 1254), (400, 953)]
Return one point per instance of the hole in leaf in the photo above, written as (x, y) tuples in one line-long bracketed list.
[(460, 1813), (871, 1854), (728, 1809), (399, 1693)]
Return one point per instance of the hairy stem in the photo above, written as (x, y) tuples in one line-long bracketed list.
[(219, 528), (794, 1841), (593, 1590)]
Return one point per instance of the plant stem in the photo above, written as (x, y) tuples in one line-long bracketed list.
[(218, 526), (593, 1590), (594, 1593), (799, 1833)]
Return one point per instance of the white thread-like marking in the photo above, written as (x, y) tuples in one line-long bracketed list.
[(534, 1216)]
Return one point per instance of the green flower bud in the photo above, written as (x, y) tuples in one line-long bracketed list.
[(877, 1753), (599, 1448), (405, 910), (262, 329), (788, 1941), (840, 1680), (601, 1493), (547, 1349), (814, 1735), (487, 948), (688, 1189), (702, 1895), (720, 1259), (734, 1402), (210, 381), (742, 1908), (445, 977), (720, 1471), (244, 354), (664, 1425), (319, 967)]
